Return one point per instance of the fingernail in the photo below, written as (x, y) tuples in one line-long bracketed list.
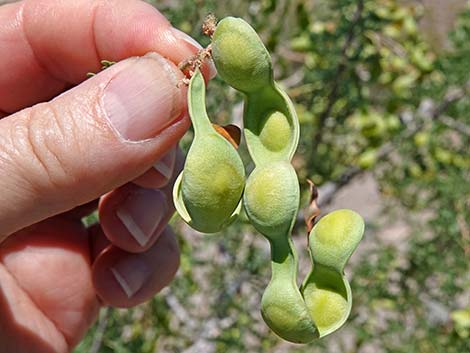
[(187, 38), (131, 273), (142, 212), (212, 69), (166, 164), (193, 43), (143, 98)]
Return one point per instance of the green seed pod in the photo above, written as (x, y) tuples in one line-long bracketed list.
[(327, 295), (335, 237), (326, 290), (270, 121), (271, 126), (272, 195), (271, 199), (271, 202), (208, 192), (239, 55), (272, 192), (282, 306)]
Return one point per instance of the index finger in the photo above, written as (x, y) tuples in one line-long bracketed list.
[(49, 45)]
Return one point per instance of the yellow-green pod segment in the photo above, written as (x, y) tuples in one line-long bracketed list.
[(271, 197), (270, 122), (240, 56), (208, 192), (326, 290), (271, 202)]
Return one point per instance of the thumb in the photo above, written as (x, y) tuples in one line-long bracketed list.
[(95, 137)]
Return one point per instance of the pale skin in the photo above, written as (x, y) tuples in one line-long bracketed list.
[(60, 160)]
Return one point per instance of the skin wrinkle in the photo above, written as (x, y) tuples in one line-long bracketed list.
[(67, 139), (16, 186), (19, 146), (25, 43), (5, 141), (60, 76), (37, 168), (21, 142), (96, 128), (93, 31), (45, 147), (94, 109), (30, 46), (25, 139), (35, 146), (90, 127)]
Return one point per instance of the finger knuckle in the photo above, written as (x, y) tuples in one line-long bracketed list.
[(43, 143)]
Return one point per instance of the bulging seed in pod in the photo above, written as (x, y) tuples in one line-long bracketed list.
[(271, 198), (208, 192), (239, 55)]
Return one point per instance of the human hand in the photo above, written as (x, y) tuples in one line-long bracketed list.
[(58, 158)]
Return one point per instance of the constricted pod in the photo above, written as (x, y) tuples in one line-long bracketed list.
[(271, 202), (326, 290), (271, 196), (271, 126)]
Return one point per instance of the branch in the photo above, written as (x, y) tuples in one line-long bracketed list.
[(464, 229), (180, 312), (100, 330), (328, 191), (455, 124), (343, 64), (452, 95)]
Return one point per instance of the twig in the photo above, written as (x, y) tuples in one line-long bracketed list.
[(100, 330), (465, 233), (312, 211), (452, 95), (455, 124), (328, 191), (343, 64), (180, 312)]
